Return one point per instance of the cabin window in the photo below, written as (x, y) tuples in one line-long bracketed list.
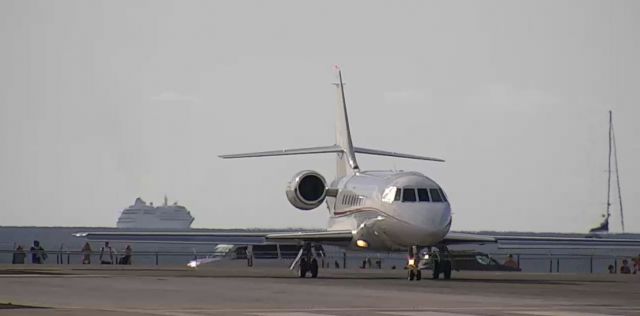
[(408, 195), (435, 195), (423, 195), (444, 196), (398, 194)]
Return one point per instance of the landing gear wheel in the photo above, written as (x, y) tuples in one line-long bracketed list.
[(436, 269), (412, 275), (302, 268), (418, 275), (447, 270), (314, 268)]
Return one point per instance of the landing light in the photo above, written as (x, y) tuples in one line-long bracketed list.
[(362, 244)]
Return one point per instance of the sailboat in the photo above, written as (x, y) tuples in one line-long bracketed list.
[(604, 226)]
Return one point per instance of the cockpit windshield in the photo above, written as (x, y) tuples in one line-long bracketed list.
[(435, 195), (423, 195), (409, 195)]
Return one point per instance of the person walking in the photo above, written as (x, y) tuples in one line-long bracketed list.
[(86, 253), (106, 254)]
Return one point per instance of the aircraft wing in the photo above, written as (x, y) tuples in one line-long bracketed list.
[(542, 242), (232, 238), (454, 238), (323, 236), (531, 242)]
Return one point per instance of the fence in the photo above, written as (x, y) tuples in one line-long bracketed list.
[(528, 262)]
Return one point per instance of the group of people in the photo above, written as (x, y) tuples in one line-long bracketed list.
[(38, 254), (107, 254), (625, 268)]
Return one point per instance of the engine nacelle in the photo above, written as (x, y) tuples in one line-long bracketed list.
[(307, 190)]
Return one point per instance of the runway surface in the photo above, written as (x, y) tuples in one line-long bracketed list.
[(233, 289)]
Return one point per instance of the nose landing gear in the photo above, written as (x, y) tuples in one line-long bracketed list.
[(413, 265), (306, 262), (440, 262)]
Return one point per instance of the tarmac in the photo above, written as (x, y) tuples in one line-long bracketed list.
[(234, 289)]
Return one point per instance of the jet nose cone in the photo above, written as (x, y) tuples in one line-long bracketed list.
[(425, 224), (434, 216)]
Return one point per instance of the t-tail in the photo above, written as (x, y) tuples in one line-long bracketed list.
[(346, 153), (346, 159)]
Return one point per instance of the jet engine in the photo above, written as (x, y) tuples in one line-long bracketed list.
[(307, 190)]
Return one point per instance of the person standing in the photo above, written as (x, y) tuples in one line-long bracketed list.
[(625, 269), (126, 259), (86, 253), (19, 255), (106, 254), (510, 262), (38, 255)]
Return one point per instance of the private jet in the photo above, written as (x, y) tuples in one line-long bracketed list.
[(369, 210)]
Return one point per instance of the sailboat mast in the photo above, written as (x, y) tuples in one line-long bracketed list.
[(609, 167), (615, 160)]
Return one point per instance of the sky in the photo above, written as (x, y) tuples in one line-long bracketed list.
[(105, 101)]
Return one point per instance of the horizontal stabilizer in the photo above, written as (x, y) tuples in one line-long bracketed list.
[(286, 152), (368, 151)]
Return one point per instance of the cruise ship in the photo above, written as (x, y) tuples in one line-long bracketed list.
[(141, 215)]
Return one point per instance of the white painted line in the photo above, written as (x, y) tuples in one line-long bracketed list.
[(290, 314), (423, 313), (559, 313)]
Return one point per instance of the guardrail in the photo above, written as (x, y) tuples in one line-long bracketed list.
[(528, 262)]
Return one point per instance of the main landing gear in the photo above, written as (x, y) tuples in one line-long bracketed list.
[(439, 261), (306, 261)]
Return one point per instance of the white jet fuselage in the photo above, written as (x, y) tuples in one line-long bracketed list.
[(375, 206)]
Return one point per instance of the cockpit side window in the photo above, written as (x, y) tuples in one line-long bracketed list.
[(398, 194), (423, 195), (408, 195), (435, 195), (444, 196)]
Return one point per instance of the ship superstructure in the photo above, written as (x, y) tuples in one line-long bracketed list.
[(147, 216)]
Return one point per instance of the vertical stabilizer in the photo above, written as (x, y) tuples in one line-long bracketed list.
[(346, 161)]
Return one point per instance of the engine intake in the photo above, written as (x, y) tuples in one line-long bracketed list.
[(307, 190)]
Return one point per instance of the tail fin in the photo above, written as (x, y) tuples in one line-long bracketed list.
[(346, 153), (346, 160)]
